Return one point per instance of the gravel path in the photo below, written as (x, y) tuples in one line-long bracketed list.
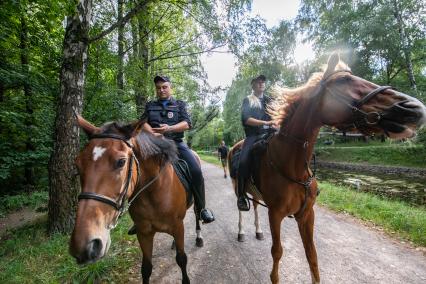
[(348, 251)]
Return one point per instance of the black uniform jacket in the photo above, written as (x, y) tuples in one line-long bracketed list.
[(258, 113), (170, 113)]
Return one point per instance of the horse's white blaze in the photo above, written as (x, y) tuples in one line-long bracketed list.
[(98, 152)]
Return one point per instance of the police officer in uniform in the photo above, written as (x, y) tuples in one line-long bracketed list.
[(256, 122), (168, 117)]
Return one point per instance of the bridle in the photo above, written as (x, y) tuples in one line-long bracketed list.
[(361, 119), (120, 203)]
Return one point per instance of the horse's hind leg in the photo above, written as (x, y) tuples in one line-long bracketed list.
[(306, 229), (181, 257), (259, 233), (199, 240), (275, 220), (145, 242)]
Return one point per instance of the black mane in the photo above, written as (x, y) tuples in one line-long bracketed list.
[(148, 144)]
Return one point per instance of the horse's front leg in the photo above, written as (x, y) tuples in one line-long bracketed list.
[(241, 233), (145, 242), (181, 257), (275, 220), (259, 233), (199, 240), (306, 229)]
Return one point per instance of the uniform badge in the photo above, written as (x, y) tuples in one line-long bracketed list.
[(170, 114)]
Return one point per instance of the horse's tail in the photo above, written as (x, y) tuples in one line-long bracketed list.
[(231, 153)]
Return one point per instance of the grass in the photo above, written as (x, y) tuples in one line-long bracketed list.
[(406, 221), (396, 155), (31, 256), (34, 200), (210, 159)]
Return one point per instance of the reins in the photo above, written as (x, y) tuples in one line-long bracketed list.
[(120, 204)]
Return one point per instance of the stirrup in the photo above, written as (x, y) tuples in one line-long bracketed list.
[(206, 216), (132, 230), (243, 203)]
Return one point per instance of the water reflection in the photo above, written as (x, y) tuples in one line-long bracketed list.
[(409, 189)]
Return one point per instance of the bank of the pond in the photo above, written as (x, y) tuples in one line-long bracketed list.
[(395, 155)]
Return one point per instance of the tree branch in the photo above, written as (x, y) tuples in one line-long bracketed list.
[(150, 30), (125, 19), (161, 57)]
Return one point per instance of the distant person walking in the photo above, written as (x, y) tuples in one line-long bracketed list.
[(222, 153)]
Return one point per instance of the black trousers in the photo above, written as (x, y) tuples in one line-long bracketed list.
[(197, 176), (244, 165)]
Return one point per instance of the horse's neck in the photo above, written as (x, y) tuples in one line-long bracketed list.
[(295, 144)]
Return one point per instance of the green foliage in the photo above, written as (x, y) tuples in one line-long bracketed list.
[(34, 200), (375, 43), (395, 216), (26, 115)]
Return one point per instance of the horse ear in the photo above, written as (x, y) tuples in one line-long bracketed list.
[(133, 128), (332, 62), (88, 128)]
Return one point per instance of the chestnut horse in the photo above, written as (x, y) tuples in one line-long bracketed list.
[(119, 164), (336, 98)]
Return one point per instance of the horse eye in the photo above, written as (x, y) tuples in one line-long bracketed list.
[(120, 163)]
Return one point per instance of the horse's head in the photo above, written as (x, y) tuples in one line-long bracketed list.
[(351, 102), (108, 172)]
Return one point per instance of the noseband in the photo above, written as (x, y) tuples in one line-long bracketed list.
[(361, 119), (120, 204)]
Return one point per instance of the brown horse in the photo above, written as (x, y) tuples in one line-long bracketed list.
[(121, 163), (336, 98)]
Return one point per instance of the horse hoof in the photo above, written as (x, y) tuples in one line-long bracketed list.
[(199, 242), (173, 245), (241, 238), (260, 236)]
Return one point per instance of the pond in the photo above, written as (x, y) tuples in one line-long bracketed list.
[(408, 189)]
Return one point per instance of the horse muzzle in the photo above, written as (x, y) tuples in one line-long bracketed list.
[(91, 251), (401, 119)]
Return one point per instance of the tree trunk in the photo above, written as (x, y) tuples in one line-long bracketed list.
[(143, 80), (64, 183), (405, 46), (120, 75), (29, 119)]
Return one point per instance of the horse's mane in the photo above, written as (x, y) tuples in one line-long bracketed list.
[(149, 145), (286, 100)]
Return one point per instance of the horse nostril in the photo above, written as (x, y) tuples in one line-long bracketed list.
[(409, 104), (94, 249)]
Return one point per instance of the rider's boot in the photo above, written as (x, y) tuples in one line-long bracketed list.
[(242, 202), (205, 214)]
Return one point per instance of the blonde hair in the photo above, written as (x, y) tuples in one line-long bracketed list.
[(254, 101)]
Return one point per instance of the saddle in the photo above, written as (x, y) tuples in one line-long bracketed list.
[(256, 151), (182, 171)]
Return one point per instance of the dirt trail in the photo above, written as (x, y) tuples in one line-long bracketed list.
[(348, 252)]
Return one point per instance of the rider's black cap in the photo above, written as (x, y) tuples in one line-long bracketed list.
[(161, 78), (258, 78)]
